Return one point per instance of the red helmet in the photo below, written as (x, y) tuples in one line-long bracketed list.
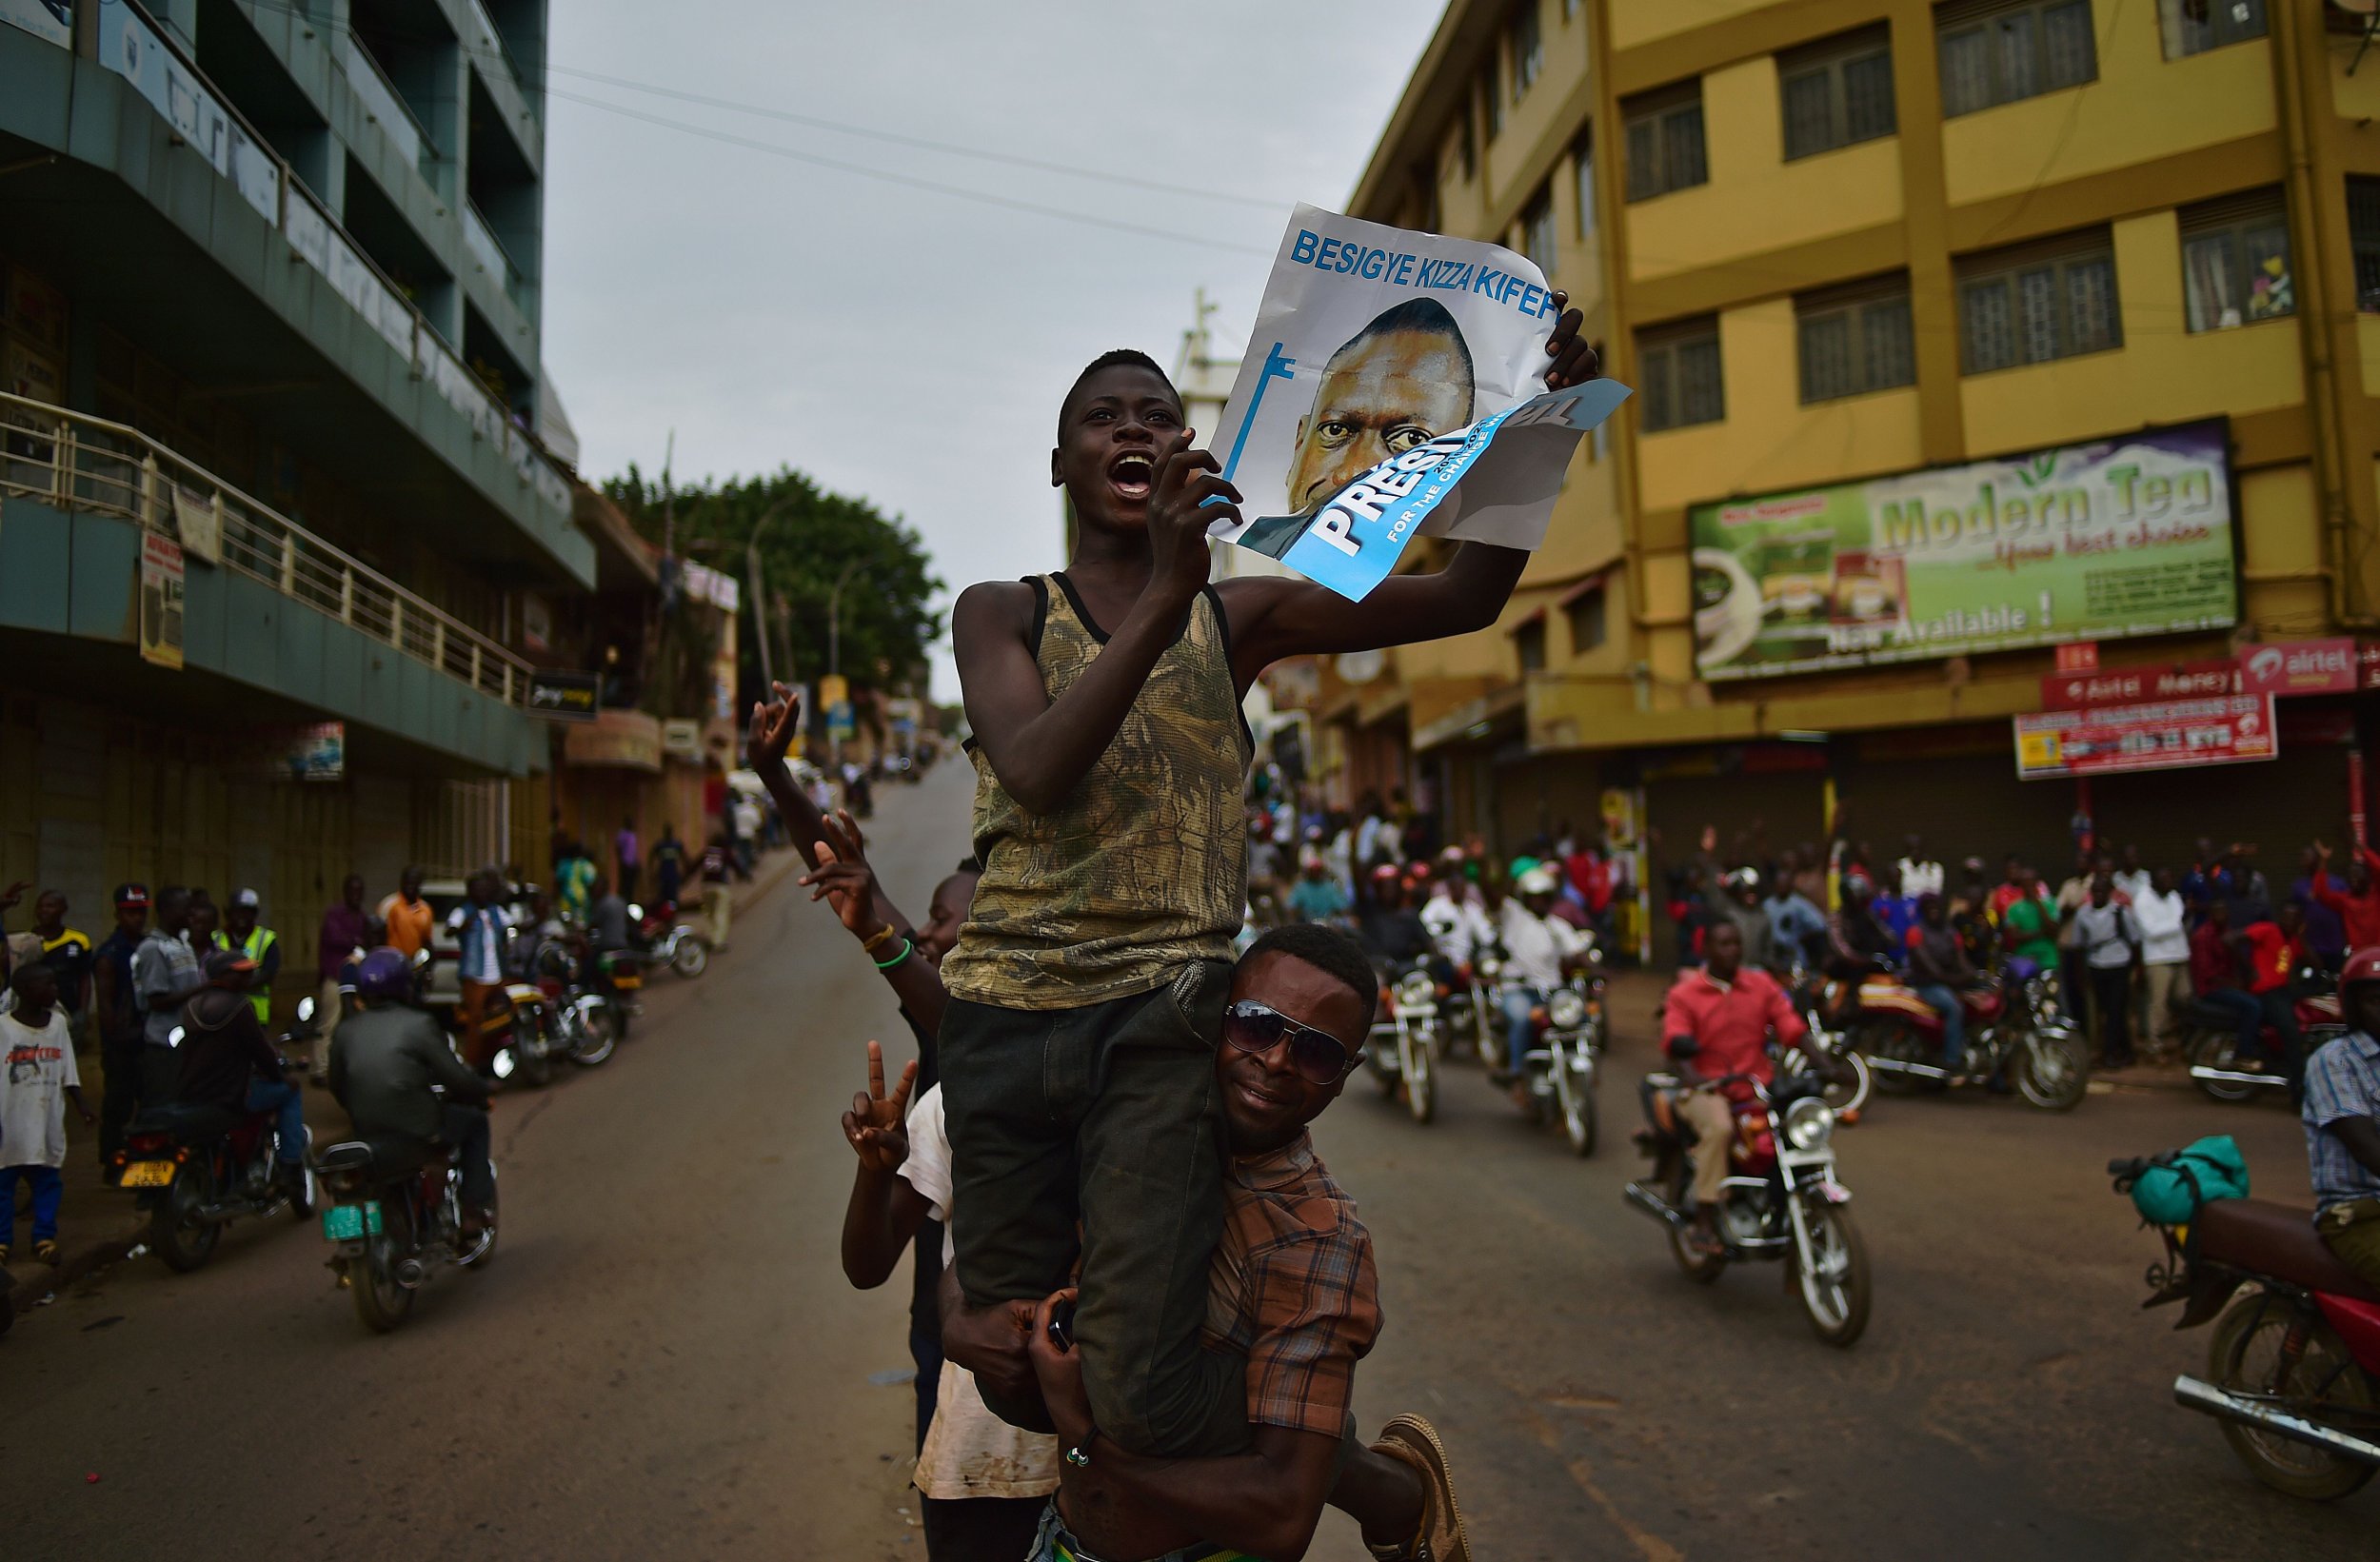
[(1386, 873), (2363, 965)]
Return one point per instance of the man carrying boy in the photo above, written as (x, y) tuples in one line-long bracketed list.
[(37, 1079), (1088, 982)]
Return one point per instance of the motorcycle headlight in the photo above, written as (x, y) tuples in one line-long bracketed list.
[(1566, 1010), (1809, 1122), (305, 1010), (503, 1066), (1490, 969), (1415, 990)]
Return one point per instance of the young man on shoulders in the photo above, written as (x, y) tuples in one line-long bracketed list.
[(1088, 982)]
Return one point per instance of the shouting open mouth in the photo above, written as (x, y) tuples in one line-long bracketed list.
[(1132, 474)]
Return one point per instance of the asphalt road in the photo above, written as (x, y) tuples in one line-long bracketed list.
[(663, 1357)]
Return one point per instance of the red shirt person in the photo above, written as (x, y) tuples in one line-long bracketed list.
[(2358, 906), (1718, 1020)]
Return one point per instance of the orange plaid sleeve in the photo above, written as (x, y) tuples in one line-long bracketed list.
[(1310, 1309)]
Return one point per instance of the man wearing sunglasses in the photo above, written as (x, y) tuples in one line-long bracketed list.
[(1293, 1303)]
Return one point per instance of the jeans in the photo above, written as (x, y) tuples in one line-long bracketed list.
[(2111, 1000), (1944, 1001), (981, 1529), (123, 1058), (1108, 1114), (466, 1128), (280, 1099), (49, 1189), (2073, 987), (1520, 1028), (926, 1323), (2247, 1014), (2280, 1011)]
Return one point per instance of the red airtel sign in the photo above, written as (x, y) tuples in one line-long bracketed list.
[(2139, 685), (2299, 666)]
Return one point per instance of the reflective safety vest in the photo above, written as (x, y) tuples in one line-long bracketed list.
[(258, 941)]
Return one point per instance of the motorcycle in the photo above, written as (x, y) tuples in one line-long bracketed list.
[(1781, 1201), (395, 1216), (2209, 1040), (1845, 1082), (2014, 1030), (1564, 1057), (1401, 1048), (198, 1168), (2293, 1366), (1467, 1005), (668, 941), (521, 1037)]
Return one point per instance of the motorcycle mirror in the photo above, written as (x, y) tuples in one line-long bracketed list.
[(421, 959), (174, 1037)]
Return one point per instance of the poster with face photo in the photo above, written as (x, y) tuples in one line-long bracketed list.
[(1392, 388)]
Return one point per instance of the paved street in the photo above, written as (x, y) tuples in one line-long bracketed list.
[(663, 1358)]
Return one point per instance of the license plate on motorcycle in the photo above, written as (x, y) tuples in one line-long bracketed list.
[(149, 1174), (349, 1222), (627, 982)]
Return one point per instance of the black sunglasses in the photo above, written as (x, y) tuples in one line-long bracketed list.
[(1317, 1057)]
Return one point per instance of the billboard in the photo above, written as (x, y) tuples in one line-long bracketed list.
[(2115, 538), (2300, 666), (2139, 685), (2228, 729)]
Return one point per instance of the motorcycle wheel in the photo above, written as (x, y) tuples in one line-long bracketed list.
[(380, 1301), (1894, 1042), (2245, 1357), (599, 1035), (181, 1236), (1695, 1266), (1377, 1049), (2215, 1052), (1421, 1070), (470, 1256), (1836, 1288), (2052, 1073), (533, 1069), (1575, 1095), (692, 957)]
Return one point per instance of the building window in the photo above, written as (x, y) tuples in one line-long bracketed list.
[(1570, 10), (1665, 141), (1493, 100), (1536, 230), (1466, 146), (1585, 614), (2235, 262), (2000, 51), (1678, 373), (1528, 45), (1836, 91), (2042, 301), (1855, 339), (1582, 174), (2193, 27), (2362, 229), (1529, 640)]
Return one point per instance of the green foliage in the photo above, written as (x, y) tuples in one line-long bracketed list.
[(809, 537)]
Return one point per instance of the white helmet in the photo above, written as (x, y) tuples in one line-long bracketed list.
[(1536, 882)]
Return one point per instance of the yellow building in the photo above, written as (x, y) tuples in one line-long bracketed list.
[(1906, 247)]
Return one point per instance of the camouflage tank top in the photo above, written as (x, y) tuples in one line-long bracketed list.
[(1144, 866)]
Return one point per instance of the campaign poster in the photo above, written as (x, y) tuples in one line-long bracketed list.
[(160, 619), (1392, 389), (2173, 735), (2132, 535)]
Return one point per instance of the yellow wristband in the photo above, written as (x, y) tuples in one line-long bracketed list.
[(881, 937)]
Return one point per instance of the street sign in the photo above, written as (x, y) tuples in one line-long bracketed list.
[(2139, 685), (2229, 729), (2299, 666), (562, 697), (834, 697)]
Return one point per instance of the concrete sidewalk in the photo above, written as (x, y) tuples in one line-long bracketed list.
[(98, 1224)]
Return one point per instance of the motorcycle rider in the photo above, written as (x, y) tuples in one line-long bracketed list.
[(1940, 971), (1717, 1023), (226, 1062), (1856, 943), (1540, 950), (2342, 1119), (1391, 930), (384, 1060), (1458, 926)]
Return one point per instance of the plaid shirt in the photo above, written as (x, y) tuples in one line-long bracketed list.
[(2342, 1081), (1293, 1289)]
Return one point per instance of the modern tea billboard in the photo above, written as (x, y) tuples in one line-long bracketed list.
[(2103, 541)]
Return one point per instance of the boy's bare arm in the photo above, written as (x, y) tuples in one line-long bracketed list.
[(1041, 748)]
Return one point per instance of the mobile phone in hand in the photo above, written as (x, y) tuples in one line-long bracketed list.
[(1061, 1326)]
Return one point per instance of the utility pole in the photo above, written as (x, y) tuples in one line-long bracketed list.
[(669, 500), (752, 585), (834, 644)]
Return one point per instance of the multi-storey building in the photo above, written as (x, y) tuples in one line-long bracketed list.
[(279, 450), (1882, 258)]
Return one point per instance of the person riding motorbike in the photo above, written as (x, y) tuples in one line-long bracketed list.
[(1857, 941), (384, 1060), (1540, 950), (1390, 929), (226, 1062), (1458, 926), (1940, 971), (2342, 1119), (1716, 1023)]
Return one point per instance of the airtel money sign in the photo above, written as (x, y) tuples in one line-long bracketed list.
[(2298, 666)]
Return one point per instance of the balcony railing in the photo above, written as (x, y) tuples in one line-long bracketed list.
[(77, 461), (390, 110), (491, 43), (133, 47), (492, 256)]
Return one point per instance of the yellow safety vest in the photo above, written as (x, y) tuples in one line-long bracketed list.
[(258, 941)]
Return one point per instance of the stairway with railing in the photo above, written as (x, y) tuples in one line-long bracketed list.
[(74, 462)]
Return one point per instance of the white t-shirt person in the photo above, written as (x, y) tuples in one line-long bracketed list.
[(36, 1066), (1536, 946), (968, 1452)]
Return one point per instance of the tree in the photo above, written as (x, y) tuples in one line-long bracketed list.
[(887, 621)]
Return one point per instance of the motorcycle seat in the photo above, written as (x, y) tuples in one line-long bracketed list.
[(186, 1121), (2277, 1239), (379, 1156)]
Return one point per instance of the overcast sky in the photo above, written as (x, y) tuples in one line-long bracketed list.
[(897, 344)]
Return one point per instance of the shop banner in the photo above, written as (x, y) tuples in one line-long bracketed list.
[(2121, 536), (201, 524), (315, 753), (563, 697), (131, 48), (160, 601), (2300, 666), (1394, 387), (53, 20), (2139, 685), (2231, 729)]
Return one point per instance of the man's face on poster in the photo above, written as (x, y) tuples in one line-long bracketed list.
[(1380, 397)]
